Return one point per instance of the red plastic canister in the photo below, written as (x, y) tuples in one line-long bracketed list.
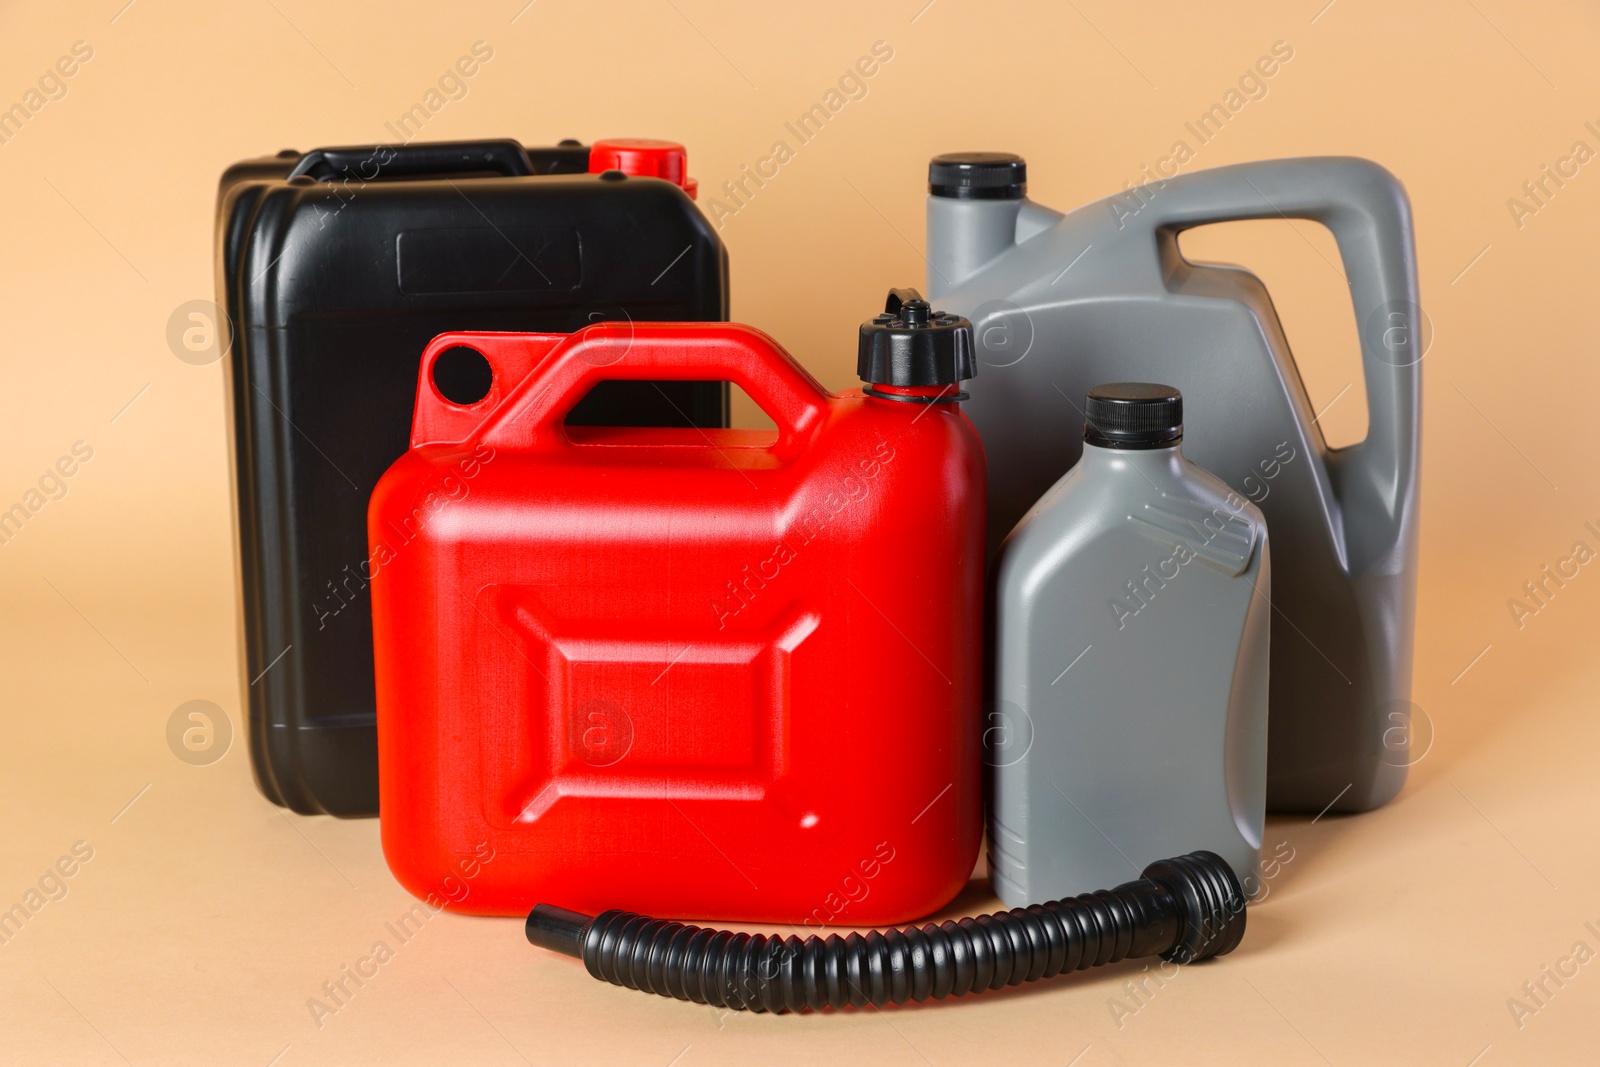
[(713, 673)]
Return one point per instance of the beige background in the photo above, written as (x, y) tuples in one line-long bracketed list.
[(206, 918)]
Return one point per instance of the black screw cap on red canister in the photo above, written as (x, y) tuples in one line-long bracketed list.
[(913, 346)]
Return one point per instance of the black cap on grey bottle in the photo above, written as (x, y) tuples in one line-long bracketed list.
[(1133, 415), (913, 346), (978, 176)]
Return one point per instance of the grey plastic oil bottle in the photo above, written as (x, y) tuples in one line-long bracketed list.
[(1062, 302), (1131, 629)]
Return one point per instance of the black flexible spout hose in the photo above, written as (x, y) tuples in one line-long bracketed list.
[(1183, 909)]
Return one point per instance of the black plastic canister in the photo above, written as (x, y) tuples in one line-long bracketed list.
[(336, 267)]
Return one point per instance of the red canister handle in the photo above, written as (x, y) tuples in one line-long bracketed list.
[(537, 378)]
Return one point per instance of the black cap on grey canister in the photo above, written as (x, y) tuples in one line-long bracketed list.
[(978, 176), (1133, 415)]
